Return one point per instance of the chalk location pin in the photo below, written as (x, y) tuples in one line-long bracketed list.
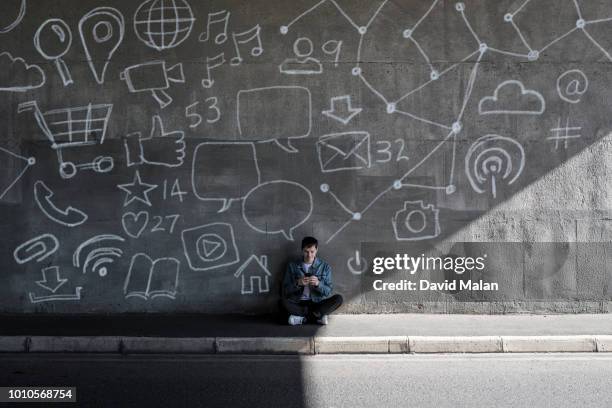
[(102, 31)]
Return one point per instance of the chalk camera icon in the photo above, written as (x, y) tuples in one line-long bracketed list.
[(416, 221)]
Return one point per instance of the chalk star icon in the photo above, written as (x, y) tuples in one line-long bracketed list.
[(137, 190)]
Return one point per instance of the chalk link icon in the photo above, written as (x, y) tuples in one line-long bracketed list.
[(163, 24), (490, 158), (210, 246), (53, 298), (149, 278), (13, 69), (59, 32), (38, 249), (341, 109), (416, 221), (254, 274), (102, 31), (72, 128), (303, 63), (68, 217), (208, 186), (169, 145), (512, 98), (29, 161), (251, 205), (17, 20), (572, 85), (98, 258), (289, 106), (153, 77)]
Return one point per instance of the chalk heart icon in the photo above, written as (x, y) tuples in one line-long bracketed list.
[(134, 224), (292, 204)]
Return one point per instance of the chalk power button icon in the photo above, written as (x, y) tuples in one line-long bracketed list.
[(357, 264)]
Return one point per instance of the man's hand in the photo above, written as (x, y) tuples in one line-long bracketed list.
[(303, 281), (314, 281)]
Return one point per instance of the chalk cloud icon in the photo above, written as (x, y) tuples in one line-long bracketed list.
[(492, 160), (18, 76), (163, 24), (102, 31), (7, 23), (227, 180), (210, 246), (291, 202), (512, 98), (273, 113)]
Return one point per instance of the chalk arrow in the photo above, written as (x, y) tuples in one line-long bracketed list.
[(51, 279), (341, 109)]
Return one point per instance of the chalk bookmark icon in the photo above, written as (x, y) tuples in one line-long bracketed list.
[(101, 31)]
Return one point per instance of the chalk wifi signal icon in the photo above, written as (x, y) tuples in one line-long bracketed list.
[(99, 257)]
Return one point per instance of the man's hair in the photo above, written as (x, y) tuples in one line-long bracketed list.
[(309, 241)]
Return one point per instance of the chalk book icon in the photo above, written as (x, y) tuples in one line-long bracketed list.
[(69, 217), (148, 278)]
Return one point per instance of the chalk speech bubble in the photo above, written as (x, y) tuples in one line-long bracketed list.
[(277, 207), (224, 180)]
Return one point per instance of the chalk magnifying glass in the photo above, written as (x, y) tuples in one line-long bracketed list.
[(53, 40)]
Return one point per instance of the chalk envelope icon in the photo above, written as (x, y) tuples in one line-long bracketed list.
[(224, 172), (273, 113), (277, 207)]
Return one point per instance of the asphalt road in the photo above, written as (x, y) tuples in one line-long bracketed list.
[(493, 380)]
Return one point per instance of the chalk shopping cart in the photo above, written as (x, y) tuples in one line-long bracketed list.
[(73, 128)]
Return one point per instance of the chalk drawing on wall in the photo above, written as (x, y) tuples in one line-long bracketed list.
[(493, 160), (29, 162), (210, 246), (254, 275), (52, 40), (96, 254), (273, 113), (512, 98), (357, 264), (247, 37), (38, 249), (224, 181), (303, 63), (159, 148), (292, 202), (137, 190), (14, 22), (102, 31), (68, 217), (153, 77), (564, 134), (341, 109), (220, 19), (73, 128), (50, 283), (16, 75), (135, 224), (163, 24), (416, 221), (572, 85), (212, 63), (344, 151), (57, 297), (148, 278)]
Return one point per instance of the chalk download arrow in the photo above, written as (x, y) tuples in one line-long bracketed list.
[(51, 279), (341, 109)]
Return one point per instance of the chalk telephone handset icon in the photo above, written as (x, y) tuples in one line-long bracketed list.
[(70, 217)]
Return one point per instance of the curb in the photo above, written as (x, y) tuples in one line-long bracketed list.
[(306, 345)]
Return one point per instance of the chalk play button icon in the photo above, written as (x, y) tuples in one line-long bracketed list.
[(211, 247)]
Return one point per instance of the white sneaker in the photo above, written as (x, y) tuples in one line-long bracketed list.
[(296, 320), (323, 320)]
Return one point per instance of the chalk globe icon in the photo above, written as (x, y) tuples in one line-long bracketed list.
[(163, 24)]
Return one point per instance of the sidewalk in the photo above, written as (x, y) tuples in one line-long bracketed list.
[(390, 333)]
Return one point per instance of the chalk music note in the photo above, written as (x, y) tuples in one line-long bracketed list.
[(245, 38), (212, 63), (216, 18)]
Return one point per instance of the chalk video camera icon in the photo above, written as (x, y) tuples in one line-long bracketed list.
[(416, 221)]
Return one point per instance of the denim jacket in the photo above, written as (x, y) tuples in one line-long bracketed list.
[(320, 269)]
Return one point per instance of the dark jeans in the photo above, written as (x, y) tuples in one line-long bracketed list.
[(311, 309)]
